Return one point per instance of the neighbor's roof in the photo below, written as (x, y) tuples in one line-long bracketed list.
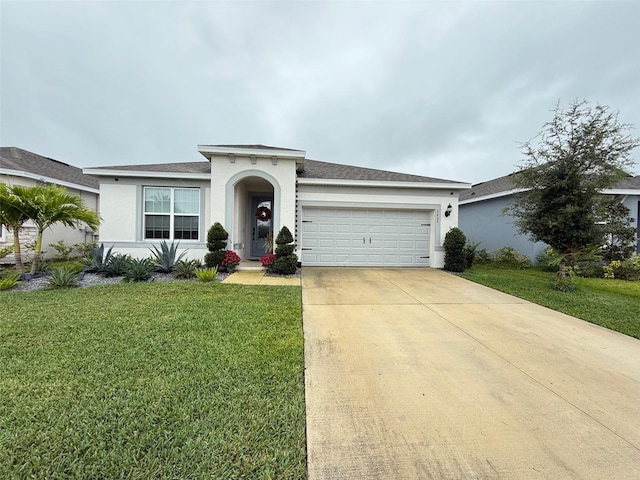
[(504, 186), (28, 164)]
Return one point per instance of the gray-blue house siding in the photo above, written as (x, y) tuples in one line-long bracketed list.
[(482, 220)]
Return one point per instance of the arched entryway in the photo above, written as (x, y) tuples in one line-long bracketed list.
[(254, 213)]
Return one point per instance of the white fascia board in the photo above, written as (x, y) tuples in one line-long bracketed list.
[(622, 191), (384, 184), (258, 152), (42, 178), (146, 174), (506, 193)]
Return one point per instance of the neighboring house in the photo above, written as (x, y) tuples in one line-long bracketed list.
[(339, 214), (20, 167), (482, 219)]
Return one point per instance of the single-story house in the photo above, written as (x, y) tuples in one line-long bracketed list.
[(482, 219), (340, 215), (21, 167)]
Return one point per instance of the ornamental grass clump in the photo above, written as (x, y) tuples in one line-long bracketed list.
[(286, 262), (207, 274)]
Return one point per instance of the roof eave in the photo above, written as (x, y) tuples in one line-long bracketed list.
[(112, 172), (45, 179), (383, 183), (208, 150)]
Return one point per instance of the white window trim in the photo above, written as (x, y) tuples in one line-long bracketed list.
[(172, 214)]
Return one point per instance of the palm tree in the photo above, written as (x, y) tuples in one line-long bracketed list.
[(50, 204), (12, 217)]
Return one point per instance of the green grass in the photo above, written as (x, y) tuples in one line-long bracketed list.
[(152, 380), (614, 304)]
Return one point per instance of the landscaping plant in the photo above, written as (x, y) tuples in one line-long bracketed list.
[(139, 270), (96, 261), (207, 274), (186, 269), (217, 238), (455, 258), (230, 261), (166, 256), (64, 250), (63, 277), (118, 265), (8, 281), (286, 262)]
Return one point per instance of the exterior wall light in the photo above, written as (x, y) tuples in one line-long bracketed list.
[(448, 211)]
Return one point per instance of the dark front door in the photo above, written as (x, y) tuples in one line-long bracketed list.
[(261, 226)]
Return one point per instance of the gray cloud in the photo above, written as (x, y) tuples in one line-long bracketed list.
[(432, 88)]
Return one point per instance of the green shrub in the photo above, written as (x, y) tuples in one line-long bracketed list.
[(482, 256), (217, 237), (214, 259), (64, 250), (207, 274), (589, 270), (284, 250), (284, 236), (454, 255), (470, 251), (286, 265), (63, 277), (84, 249), (510, 258), (96, 260), (139, 270), (166, 256), (7, 282), (4, 251), (624, 270), (186, 269), (548, 260), (118, 265)]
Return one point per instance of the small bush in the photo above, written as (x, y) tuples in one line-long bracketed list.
[(186, 269), (217, 237), (7, 282), (214, 259), (118, 265), (509, 257), (4, 251), (231, 260), (207, 274), (624, 270), (454, 255), (63, 277), (166, 256), (84, 249), (548, 260), (284, 250), (482, 256), (470, 251), (267, 260), (96, 260), (285, 265), (284, 236), (139, 270), (63, 250)]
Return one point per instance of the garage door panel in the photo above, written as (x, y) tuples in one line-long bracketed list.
[(364, 237)]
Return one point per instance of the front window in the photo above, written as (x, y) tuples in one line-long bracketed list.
[(171, 213)]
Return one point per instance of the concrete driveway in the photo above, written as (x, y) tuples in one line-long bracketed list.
[(419, 374)]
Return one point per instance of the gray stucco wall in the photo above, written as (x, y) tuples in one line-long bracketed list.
[(484, 222)]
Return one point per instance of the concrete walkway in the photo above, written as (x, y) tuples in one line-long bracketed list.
[(419, 374), (258, 277)]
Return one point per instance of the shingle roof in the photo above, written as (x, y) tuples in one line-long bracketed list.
[(13, 158), (185, 167), (326, 170), (505, 184)]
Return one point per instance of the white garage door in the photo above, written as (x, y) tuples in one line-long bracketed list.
[(361, 237)]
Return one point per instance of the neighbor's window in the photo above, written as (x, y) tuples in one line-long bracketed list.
[(171, 213)]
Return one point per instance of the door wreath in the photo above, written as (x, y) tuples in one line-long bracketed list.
[(263, 214)]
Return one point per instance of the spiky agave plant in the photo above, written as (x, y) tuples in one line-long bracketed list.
[(166, 256)]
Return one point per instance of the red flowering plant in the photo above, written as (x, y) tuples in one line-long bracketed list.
[(231, 260), (267, 260)]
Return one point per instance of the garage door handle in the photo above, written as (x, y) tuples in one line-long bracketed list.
[(369, 239), (363, 240)]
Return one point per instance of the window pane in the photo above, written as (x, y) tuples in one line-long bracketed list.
[(157, 200), (156, 226), (185, 228), (186, 200)]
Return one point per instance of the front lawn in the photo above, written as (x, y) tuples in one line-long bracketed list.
[(613, 304), (152, 380)]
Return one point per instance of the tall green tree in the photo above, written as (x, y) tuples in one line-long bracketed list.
[(579, 153), (13, 217), (46, 205)]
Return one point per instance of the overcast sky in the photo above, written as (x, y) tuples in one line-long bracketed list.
[(442, 89)]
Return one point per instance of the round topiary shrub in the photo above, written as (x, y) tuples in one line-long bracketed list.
[(284, 250), (213, 259), (455, 259), (286, 265), (217, 237)]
